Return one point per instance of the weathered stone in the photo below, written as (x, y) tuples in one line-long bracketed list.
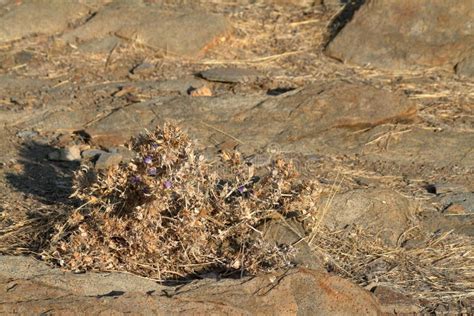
[(201, 92), (100, 45), (28, 286), (465, 199), (72, 153), (126, 153), (186, 34), (117, 128), (92, 153), (46, 17), (299, 119), (442, 188), (143, 68), (27, 134), (23, 57), (378, 210), (422, 146), (405, 33), (465, 67), (230, 75), (395, 303), (292, 233), (107, 160)]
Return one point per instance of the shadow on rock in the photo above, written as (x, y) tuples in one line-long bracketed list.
[(344, 17), (48, 181)]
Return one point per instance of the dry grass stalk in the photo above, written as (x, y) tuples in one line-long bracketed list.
[(438, 270)]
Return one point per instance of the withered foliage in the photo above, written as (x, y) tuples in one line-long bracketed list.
[(170, 213)]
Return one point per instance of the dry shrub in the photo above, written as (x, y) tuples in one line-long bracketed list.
[(169, 213)]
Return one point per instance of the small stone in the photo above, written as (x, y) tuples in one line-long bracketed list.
[(100, 45), (201, 92), (456, 209), (23, 57), (107, 160), (463, 199), (27, 134), (465, 68), (142, 69), (442, 188), (127, 154), (72, 153), (92, 153), (230, 75), (396, 303)]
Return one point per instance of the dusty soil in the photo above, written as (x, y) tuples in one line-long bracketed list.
[(54, 94)]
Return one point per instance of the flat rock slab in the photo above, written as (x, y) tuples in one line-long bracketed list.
[(230, 75), (298, 122), (186, 34), (47, 17), (405, 33), (29, 286), (422, 146), (378, 210), (327, 118)]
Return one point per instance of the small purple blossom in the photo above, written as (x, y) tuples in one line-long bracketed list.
[(148, 160), (135, 179), (168, 184), (146, 190), (241, 189), (152, 171), (154, 145)]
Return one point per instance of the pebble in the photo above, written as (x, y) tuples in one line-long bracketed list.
[(143, 69), (201, 92), (72, 153), (230, 75), (107, 160), (27, 134), (92, 153), (127, 154)]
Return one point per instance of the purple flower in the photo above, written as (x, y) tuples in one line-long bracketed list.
[(136, 179), (168, 184), (146, 190), (241, 189), (152, 171), (147, 160), (154, 145)]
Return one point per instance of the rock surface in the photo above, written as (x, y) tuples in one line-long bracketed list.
[(186, 34), (32, 287), (107, 160), (297, 119), (377, 210), (406, 33), (45, 17), (466, 67)]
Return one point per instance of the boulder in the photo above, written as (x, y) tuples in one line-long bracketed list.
[(378, 210), (187, 33), (46, 17), (29, 286), (406, 33)]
